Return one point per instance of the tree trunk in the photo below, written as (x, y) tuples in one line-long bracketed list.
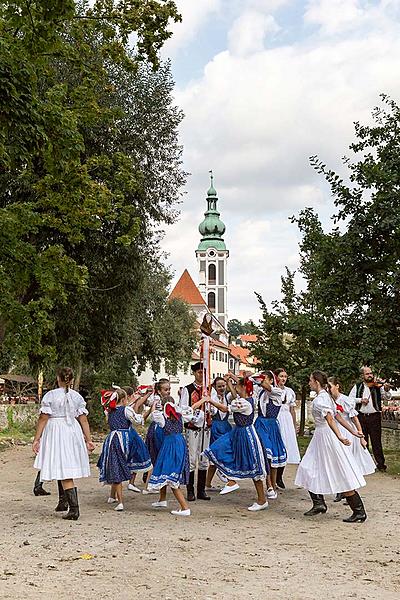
[(303, 410), (78, 375)]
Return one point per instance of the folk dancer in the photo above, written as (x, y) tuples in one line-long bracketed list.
[(124, 451), (328, 467), (238, 454), (287, 424), (347, 408), (172, 464), (63, 440)]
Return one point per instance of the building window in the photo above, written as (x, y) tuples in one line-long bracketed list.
[(221, 278), (221, 301), (211, 300), (212, 274)]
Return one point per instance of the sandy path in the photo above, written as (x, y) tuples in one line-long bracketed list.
[(222, 551)]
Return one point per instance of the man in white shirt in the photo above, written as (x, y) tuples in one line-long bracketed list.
[(197, 433), (368, 395)]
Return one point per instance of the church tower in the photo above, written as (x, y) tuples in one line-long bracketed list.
[(212, 257)]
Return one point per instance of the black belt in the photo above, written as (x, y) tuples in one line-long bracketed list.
[(377, 412), (190, 427)]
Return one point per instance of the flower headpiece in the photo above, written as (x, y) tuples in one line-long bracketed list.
[(109, 400)]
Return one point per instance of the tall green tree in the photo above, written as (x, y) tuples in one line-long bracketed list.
[(349, 312), (90, 172)]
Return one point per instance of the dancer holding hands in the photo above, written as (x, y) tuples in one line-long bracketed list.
[(238, 454), (328, 467), (287, 424)]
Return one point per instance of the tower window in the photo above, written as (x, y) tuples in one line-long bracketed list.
[(212, 274), (221, 279), (211, 300)]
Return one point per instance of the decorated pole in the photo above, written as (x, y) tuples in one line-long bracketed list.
[(205, 357)]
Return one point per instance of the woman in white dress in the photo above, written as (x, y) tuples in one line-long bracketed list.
[(328, 467), (63, 439), (287, 423), (347, 408)]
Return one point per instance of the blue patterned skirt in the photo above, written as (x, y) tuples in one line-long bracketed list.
[(154, 440), (123, 453), (172, 464), (238, 454), (139, 457), (271, 439), (219, 428)]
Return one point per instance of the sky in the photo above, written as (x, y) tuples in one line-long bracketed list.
[(264, 85)]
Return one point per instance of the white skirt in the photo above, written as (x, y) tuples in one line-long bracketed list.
[(288, 433), (62, 453), (362, 455), (328, 467)]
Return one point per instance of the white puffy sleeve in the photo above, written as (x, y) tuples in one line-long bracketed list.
[(290, 397), (132, 416), (184, 398), (240, 405), (353, 392), (325, 405), (349, 405), (80, 405), (158, 417), (45, 406), (197, 417), (187, 414), (276, 394)]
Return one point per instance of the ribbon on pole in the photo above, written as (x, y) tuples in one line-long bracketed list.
[(205, 354)]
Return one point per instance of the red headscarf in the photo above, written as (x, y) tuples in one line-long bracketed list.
[(108, 400)]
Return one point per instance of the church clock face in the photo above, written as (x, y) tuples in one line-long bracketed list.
[(212, 253)]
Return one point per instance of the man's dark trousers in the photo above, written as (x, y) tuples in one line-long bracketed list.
[(372, 429)]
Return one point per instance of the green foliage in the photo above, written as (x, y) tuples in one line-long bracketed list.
[(349, 313), (90, 173), (236, 327)]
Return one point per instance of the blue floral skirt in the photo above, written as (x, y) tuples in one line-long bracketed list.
[(123, 454), (172, 464), (271, 439), (154, 440), (238, 454), (219, 428)]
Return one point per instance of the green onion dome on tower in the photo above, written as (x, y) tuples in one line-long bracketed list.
[(212, 228)]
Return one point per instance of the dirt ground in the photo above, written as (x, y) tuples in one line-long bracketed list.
[(221, 551)]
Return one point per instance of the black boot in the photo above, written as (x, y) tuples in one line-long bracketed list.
[(62, 500), (318, 507), (145, 477), (201, 486), (356, 504), (279, 478), (72, 498), (339, 498), (190, 488), (38, 489)]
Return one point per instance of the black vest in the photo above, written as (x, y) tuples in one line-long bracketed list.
[(192, 388), (376, 396)]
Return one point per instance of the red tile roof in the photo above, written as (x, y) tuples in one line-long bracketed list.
[(240, 353), (186, 289), (251, 337)]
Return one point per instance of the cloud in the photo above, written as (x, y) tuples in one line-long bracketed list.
[(259, 111), (249, 31), (195, 14), (335, 15)]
